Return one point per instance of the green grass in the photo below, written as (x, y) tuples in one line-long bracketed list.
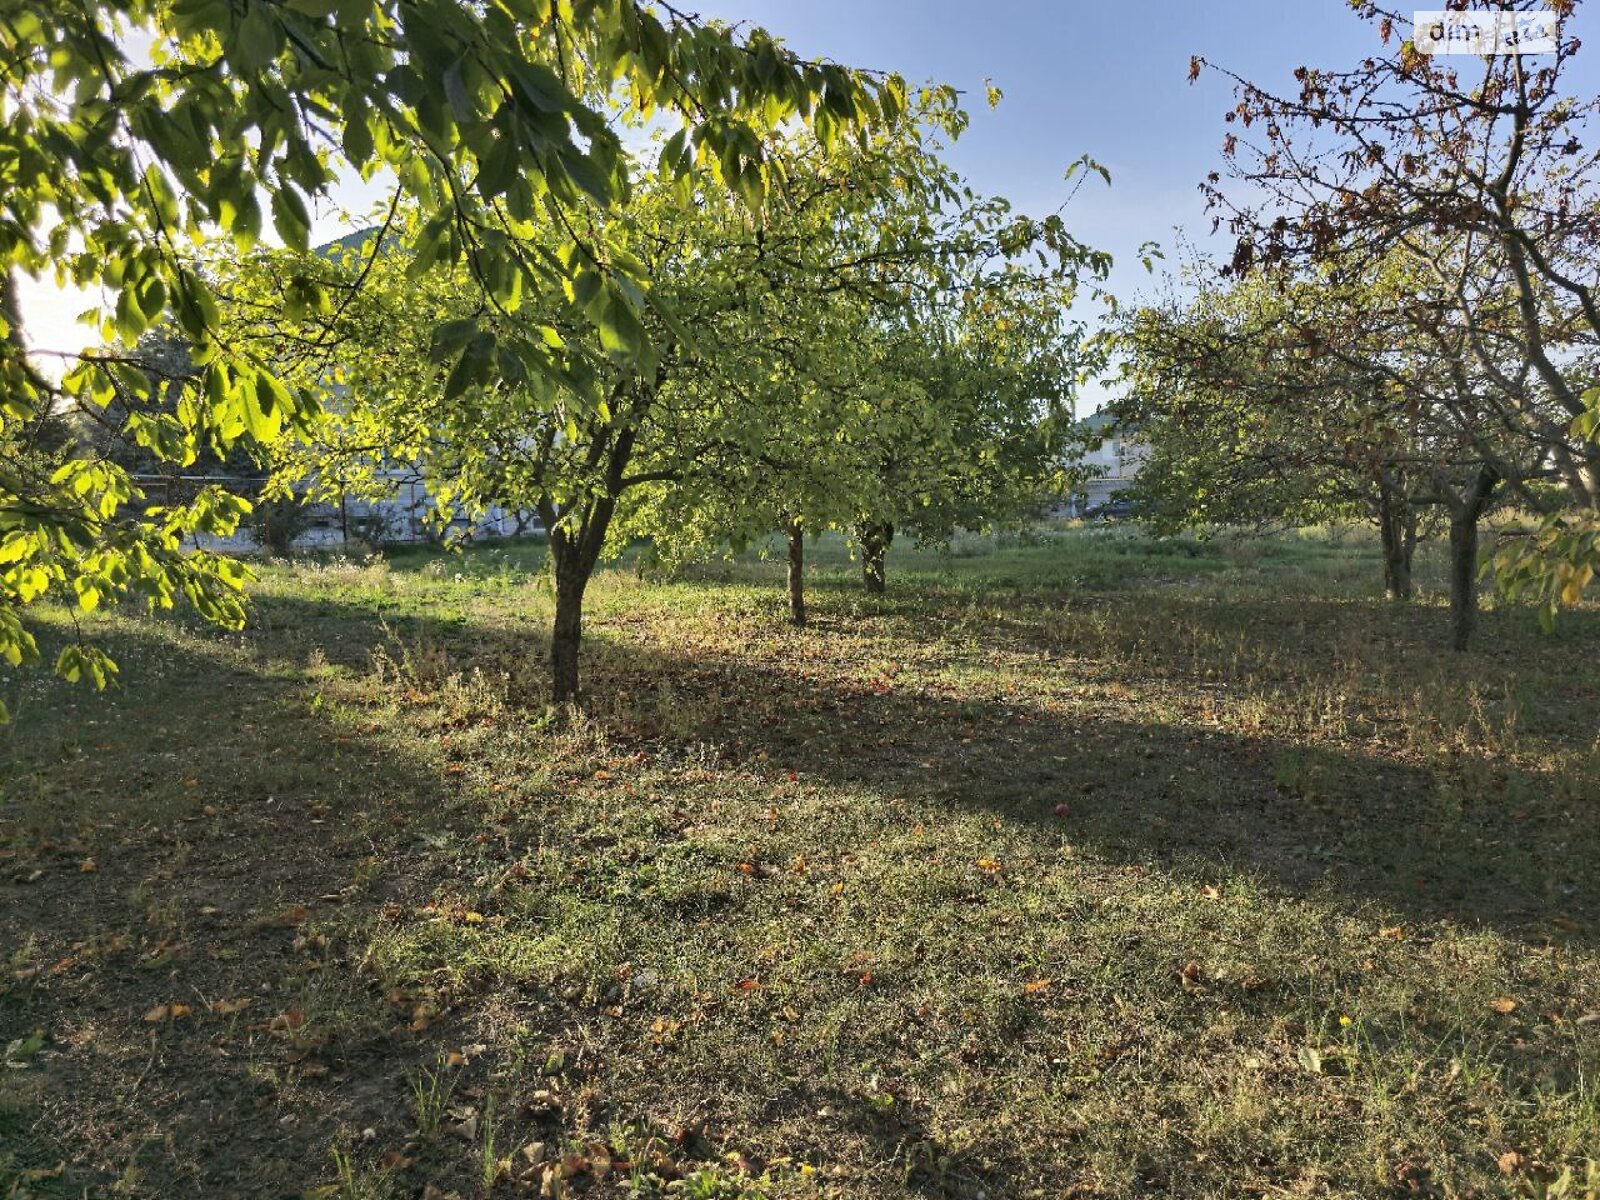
[(1078, 865)]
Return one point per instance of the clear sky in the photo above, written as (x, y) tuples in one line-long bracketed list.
[(1105, 79)]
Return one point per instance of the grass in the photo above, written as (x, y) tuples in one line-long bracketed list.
[(1078, 865)]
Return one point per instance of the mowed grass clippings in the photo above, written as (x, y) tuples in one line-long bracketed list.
[(1079, 865)]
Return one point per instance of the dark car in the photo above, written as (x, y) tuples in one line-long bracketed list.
[(1111, 510)]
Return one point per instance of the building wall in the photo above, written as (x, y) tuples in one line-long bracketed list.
[(404, 516), (1119, 460)]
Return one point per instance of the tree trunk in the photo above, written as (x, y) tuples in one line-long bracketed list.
[(566, 635), (1463, 579), (875, 541), (1464, 518), (573, 554), (797, 573), (1408, 543), (1397, 525), (577, 536)]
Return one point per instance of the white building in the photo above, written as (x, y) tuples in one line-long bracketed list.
[(1115, 461)]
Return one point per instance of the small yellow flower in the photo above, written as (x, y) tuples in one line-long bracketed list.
[(1345, 1021)]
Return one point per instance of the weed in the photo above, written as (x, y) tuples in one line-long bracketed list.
[(431, 1091)]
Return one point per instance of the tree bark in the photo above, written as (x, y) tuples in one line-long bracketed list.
[(875, 541), (1397, 525), (1463, 580), (797, 573), (574, 551), (1464, 518), (566, 634)]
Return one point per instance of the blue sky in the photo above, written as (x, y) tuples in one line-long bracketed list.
[(1105, 79)]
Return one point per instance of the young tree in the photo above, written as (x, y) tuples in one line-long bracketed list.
[(433, 376), (934, 393), (983, 370), (1257, 408)]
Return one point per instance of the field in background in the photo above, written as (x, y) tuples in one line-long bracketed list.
[(1078, 865)]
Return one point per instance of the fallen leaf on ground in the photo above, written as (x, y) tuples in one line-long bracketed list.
[(1504, 1005)]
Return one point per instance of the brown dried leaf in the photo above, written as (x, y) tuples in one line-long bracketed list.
[(1511, 1162)]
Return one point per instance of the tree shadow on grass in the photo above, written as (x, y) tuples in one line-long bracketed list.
[(172, 855), (1463, 835)]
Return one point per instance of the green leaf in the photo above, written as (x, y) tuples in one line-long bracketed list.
[(583, 171), (290, 218), (257, 41), (622, 337)]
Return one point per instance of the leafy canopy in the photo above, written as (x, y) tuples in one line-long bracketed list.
[(239, 116)]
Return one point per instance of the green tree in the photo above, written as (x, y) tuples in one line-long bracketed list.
[(980, 372), (1251, 419), (928, 392), (632, 397), (1288, 396)]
